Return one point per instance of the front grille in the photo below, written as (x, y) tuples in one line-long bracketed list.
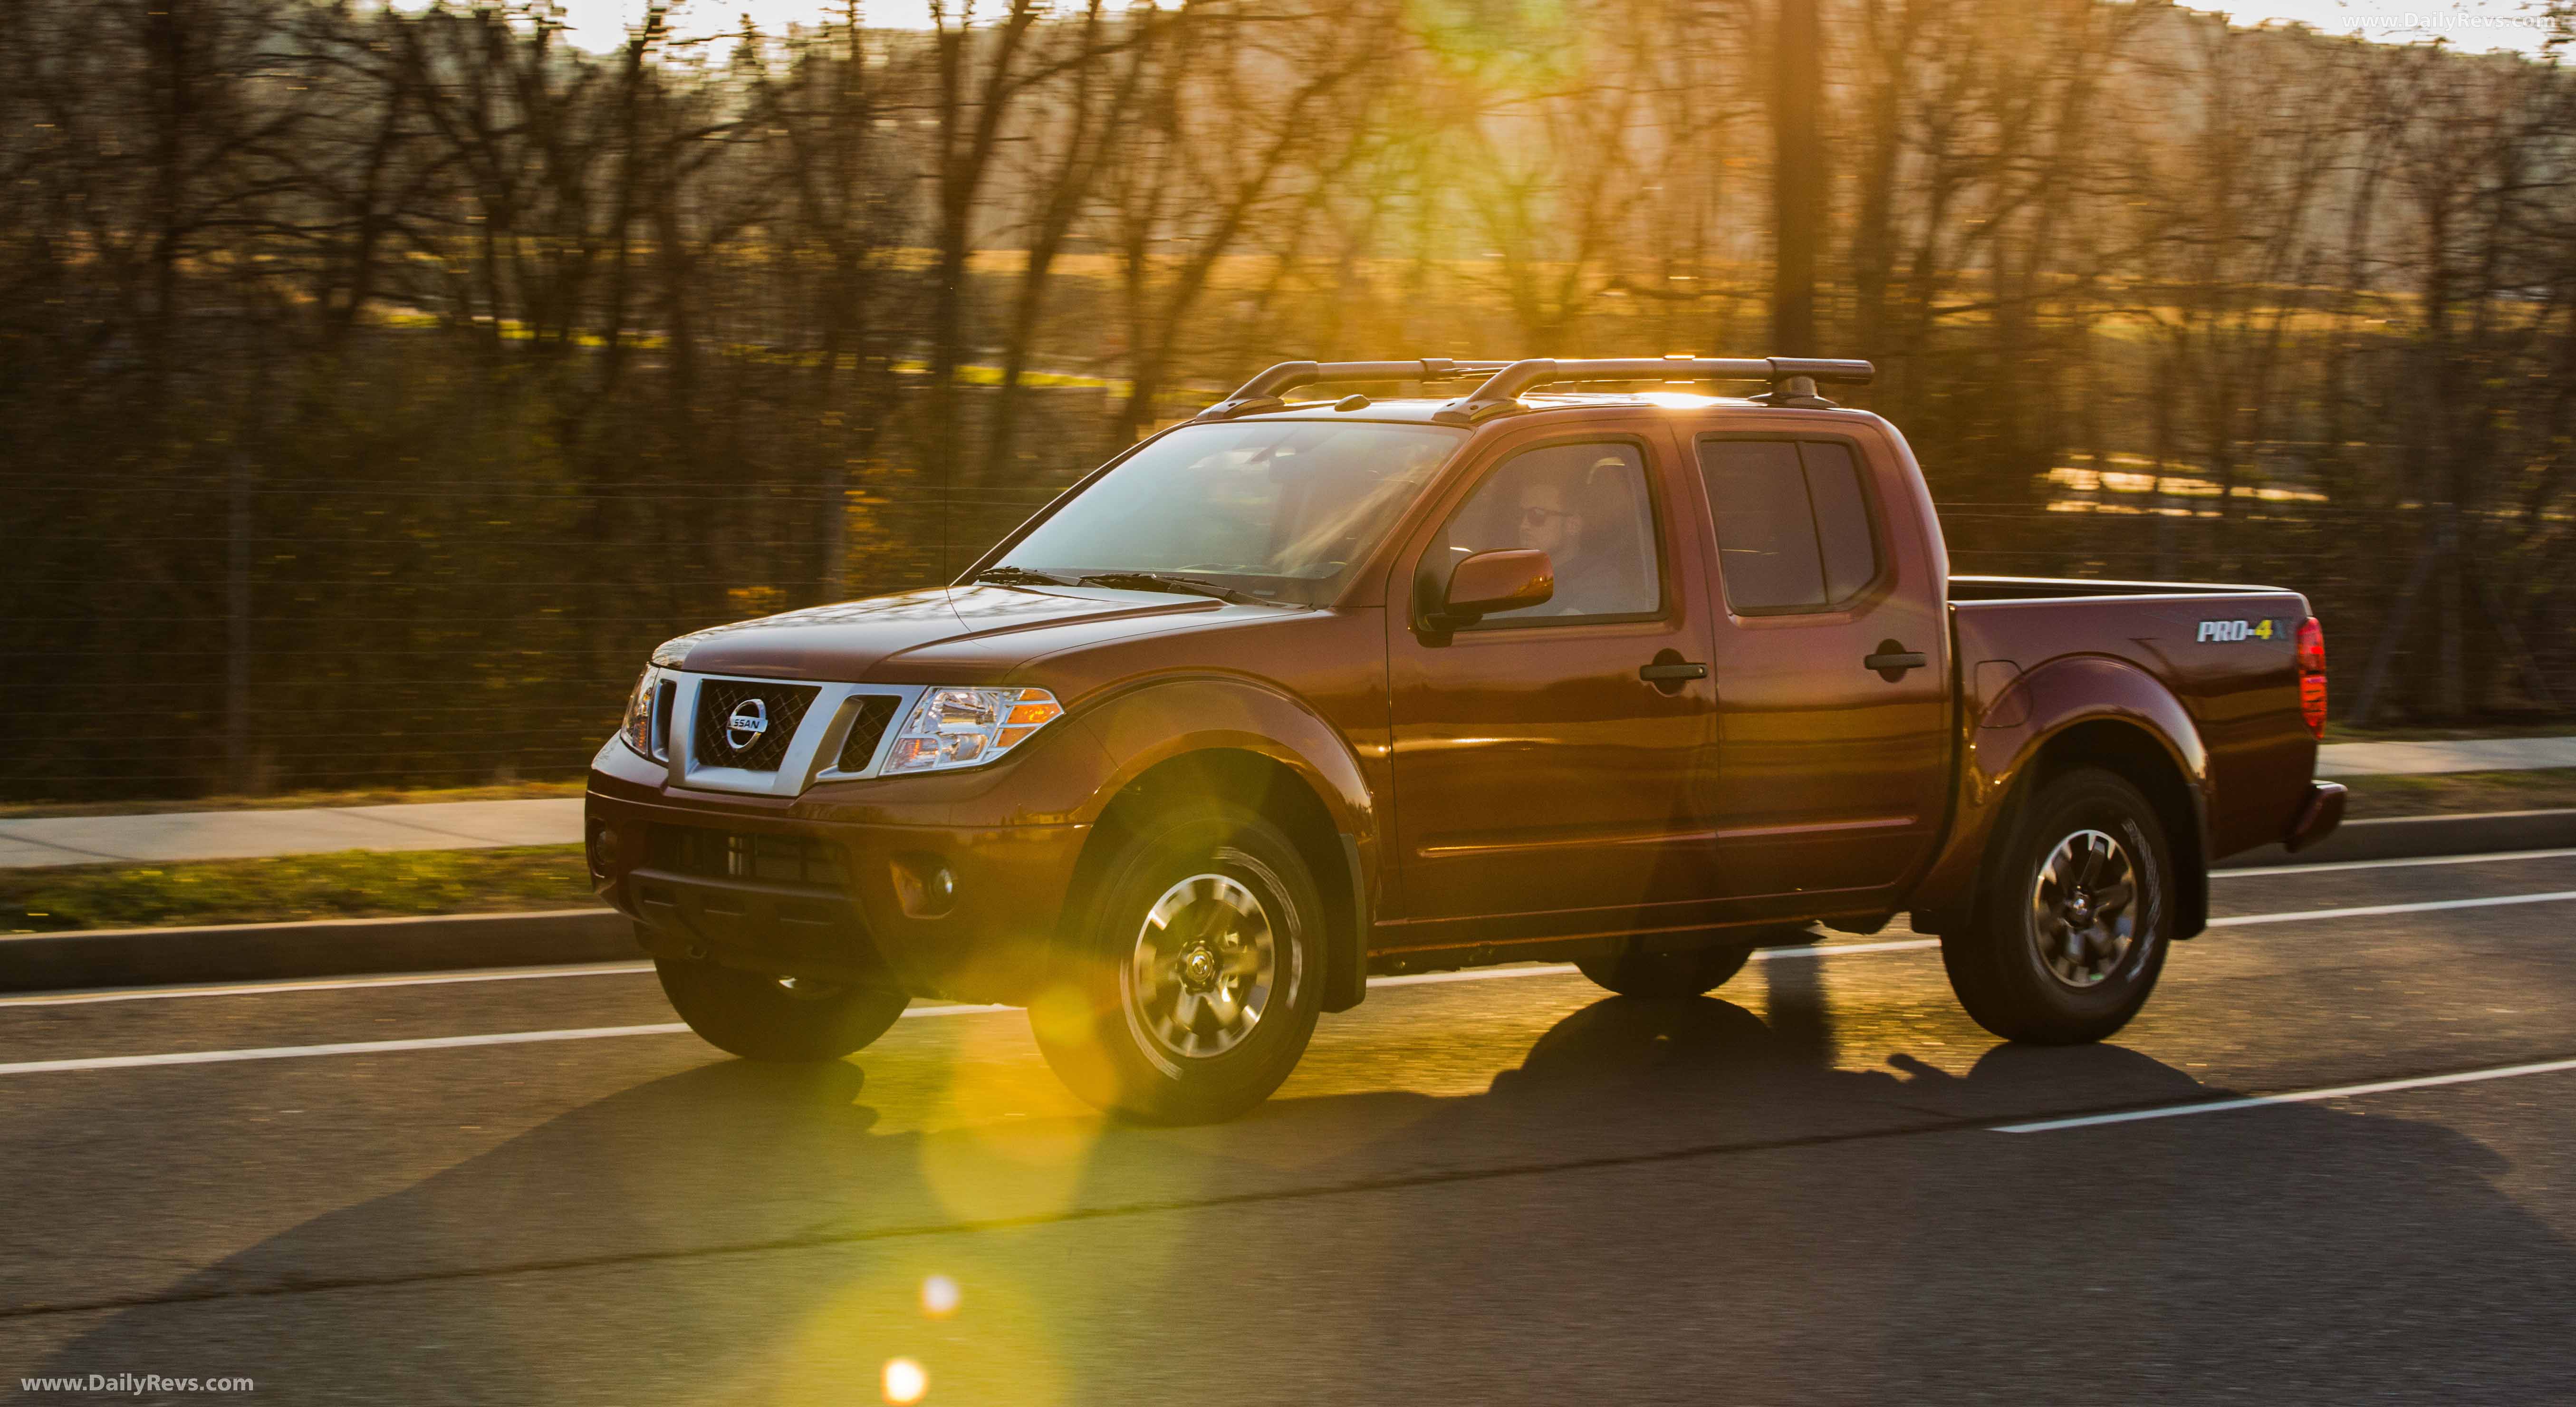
[(785, 705), (876, 714), (714, 854)]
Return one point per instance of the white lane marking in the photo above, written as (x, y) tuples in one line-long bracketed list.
[(620, 969), (295, 1052), (204, 1057), (2492, 857), (329, 984), (216, 1057), (526, 974), (2305, 1096), (1828, 950), (2375, 910), (1486, 974), (1473, 974), (1559, 969)]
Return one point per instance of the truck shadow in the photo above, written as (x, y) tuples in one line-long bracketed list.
[(747, 1233)]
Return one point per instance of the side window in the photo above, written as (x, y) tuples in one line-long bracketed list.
[(1586, 507), (1792, 522)]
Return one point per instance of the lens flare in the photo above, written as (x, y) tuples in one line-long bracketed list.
[(939, 1297), (904, 1381)]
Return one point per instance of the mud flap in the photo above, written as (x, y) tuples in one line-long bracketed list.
[(1346, 961)]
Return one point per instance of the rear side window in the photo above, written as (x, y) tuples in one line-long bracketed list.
[(1793, 526)]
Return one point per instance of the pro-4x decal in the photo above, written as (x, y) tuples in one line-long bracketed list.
[(2228, 632)]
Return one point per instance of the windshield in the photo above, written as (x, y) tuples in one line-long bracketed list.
[(1276, 509)]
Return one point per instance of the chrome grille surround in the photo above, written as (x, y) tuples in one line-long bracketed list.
[(816, 746)]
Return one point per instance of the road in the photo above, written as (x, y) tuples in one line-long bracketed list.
[(1505, 1188)]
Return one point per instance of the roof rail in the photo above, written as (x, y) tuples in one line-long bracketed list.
[(1793, 379), (1261, 393)]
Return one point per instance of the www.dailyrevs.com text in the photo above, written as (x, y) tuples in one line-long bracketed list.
[(134, 1384)]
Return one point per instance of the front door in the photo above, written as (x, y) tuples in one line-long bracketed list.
[(1830, 652), (1542, 782)]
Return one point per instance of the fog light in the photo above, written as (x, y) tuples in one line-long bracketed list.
[(924, 885)]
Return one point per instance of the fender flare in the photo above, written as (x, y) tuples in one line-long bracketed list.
[(2003, 736), (1157, 720)]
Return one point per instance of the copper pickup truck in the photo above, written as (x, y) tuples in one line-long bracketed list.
[(1298, 691)]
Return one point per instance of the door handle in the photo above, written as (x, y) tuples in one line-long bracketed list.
[(1892, 664), (1667, 673)]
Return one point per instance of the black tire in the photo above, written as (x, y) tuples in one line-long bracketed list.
[(2021, 968), (1688, 972), (1148, 1020), (761, 1018)]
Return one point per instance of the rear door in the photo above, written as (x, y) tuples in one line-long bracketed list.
[(1540, 778), (1830, 651)]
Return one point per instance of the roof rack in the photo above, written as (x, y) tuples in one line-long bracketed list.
[(1261, 393), (1793, 380)]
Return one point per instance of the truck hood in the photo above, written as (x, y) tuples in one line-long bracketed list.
[(959, 634)]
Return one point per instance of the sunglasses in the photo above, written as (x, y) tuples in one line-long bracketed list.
[(1541, 517)]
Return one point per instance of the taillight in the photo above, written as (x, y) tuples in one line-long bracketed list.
[(2312, 675)]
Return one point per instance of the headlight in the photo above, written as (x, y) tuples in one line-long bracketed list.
[(968, 727), (638, 728)]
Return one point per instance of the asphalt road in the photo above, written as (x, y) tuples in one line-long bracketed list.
[(1505, 1188)]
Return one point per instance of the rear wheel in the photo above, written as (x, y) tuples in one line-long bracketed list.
[(1187, 989), (776, 1018), (2074, 918)]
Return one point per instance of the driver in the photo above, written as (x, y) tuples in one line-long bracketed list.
[(1588, 581)]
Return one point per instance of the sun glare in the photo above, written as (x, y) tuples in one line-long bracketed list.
[(939, 1297), (905, 1382)]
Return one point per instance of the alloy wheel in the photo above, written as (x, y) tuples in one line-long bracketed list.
[(1204, 966), (2083, 908)]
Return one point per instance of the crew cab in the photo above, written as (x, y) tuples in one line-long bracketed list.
[(1302, 690)]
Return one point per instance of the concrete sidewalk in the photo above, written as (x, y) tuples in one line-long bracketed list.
[(234, 835), (170, 837), (2454, 755)]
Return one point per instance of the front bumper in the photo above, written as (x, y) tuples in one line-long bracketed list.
[(863, 906), (2317, 818)]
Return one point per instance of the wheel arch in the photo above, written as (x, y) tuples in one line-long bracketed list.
[(2119, 746), (1227, 738), (2080, 711)]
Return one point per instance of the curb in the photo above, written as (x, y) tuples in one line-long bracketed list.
[(2411, 837), (260, 952), (263, 952)]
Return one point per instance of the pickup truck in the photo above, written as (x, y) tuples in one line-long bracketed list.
[(1298, 691)]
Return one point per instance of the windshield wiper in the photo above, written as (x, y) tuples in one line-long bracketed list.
[(1020, 576), (1164, 581)]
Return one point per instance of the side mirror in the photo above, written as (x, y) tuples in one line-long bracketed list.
[(1495, 581)]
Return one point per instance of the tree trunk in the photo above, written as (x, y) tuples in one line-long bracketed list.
[(1797, 181)]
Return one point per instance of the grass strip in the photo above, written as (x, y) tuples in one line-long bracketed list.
[(342, 884), (2459, 793)]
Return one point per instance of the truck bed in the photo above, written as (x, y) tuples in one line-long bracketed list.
[(2239, 683)]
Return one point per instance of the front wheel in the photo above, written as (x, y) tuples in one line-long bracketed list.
[(2072, 925), (782, 1019), (1186, 989)]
